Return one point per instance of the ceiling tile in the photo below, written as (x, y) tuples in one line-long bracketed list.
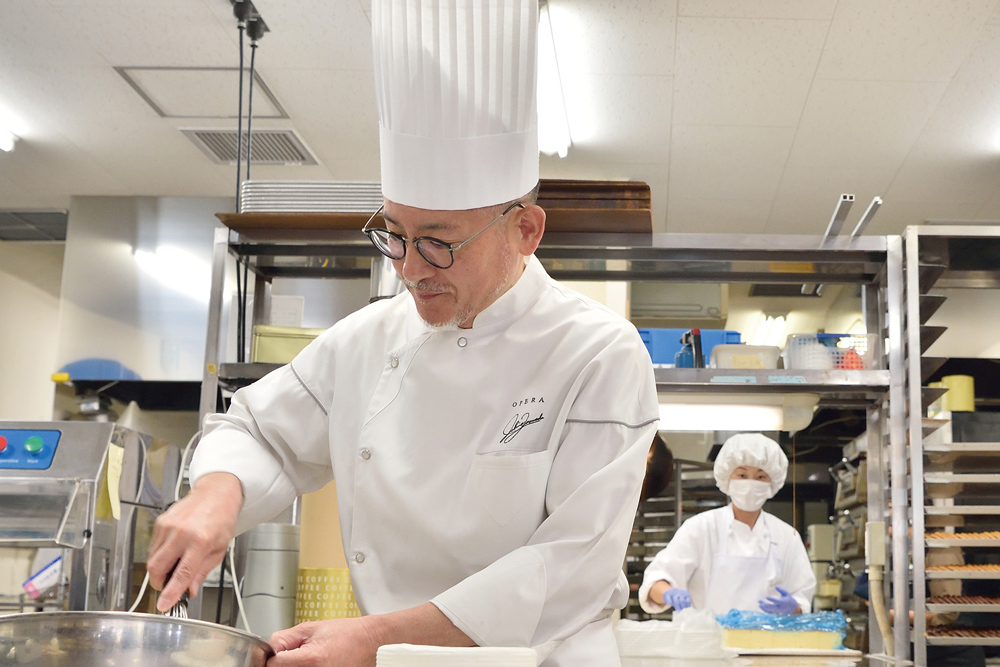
[(808, 196), (939, 177), (901, 40), (599, 36), (811, 214), (716, 216), (719, 162), (51, 169), (178, 33), (966, 121), (36, 35), (314, 35), (821, 10), (339, 110), (895, 216), (625, 118), (766, 65), (867, 124)]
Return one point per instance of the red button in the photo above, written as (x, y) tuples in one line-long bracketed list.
[(3, 443)]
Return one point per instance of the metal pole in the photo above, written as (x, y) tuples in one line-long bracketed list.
[(210, 379), (875, 322), (914, 374), (897, 446)]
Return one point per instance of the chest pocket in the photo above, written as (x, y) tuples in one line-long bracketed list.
[(509, 484)]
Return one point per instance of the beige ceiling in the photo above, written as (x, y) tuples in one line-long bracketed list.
[(742, 115)]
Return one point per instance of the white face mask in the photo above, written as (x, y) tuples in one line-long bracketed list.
[(749, 494)]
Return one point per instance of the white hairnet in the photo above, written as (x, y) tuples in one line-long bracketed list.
[(751, 449)]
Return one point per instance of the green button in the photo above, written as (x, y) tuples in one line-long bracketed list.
[(33, 445)]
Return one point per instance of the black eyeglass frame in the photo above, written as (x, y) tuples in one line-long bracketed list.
[(420, 240)]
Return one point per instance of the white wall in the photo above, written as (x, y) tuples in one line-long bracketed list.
[(30, 276), (136, 283)]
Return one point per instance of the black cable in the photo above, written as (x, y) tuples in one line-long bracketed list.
[(222, 580), (239, 122), (239, 313), (246, 297), (241, 10), (255, 30), (253, 53)]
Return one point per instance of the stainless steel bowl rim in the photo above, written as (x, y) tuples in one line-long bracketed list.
[(126, 616)]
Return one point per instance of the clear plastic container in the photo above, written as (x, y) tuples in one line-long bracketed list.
[(826, 351), (750, 357)]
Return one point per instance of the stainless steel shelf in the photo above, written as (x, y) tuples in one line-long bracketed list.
[(945, 608), (243, 374), (597, 256), (959, 542), (963, 574), (961, 478), (953, 510), (966, 448), (963, 641), (782, 380), (929, 426)]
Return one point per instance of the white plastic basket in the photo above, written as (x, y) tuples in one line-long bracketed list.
[(830, 351)]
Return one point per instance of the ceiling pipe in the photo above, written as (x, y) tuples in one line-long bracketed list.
[(867, 217), (839, 215)]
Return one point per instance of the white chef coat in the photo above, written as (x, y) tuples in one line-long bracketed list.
[(686, 561), (493, 471)]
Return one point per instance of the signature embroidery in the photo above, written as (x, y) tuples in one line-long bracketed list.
[(516, 423)]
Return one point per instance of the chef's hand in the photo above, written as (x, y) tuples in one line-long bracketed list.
[(192, 536), (340, 642), (678, 598), (783, 604)]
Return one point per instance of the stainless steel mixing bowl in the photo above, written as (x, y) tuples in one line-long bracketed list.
[(116, 639)]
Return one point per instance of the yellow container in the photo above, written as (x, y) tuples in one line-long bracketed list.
[(279, 345), (324, 593), (961, 396)]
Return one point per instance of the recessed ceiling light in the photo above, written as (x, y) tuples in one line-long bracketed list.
[(7, 140)]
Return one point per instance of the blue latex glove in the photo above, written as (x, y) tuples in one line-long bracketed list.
[(783, 604), (678, 598)]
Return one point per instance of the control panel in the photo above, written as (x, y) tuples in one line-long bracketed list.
[(27, 449)]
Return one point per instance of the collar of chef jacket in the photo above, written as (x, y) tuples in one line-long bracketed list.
[(509, 306), (759, 535)]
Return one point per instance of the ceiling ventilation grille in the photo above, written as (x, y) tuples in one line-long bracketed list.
[(269, 146), (33, 225)]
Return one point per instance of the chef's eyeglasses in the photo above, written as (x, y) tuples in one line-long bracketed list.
[(436, 252)]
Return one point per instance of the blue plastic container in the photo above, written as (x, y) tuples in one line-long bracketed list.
[(664, 344)]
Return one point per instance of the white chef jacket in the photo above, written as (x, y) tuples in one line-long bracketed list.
[(493, 471), (687, 559)]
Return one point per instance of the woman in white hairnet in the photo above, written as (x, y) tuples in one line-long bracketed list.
[(737, 556)]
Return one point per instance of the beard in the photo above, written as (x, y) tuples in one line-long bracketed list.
[(505, 257)]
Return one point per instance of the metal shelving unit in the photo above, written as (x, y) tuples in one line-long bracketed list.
[(691, 491), (873, 263), (930, 264)]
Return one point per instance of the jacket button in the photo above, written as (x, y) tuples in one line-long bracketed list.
[(359, 557), (462, 342), (394, 361), (366, 454)]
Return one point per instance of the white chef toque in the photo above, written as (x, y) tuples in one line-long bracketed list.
[(455, 82)]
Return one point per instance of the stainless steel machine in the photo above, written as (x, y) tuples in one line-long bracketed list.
[(78, 487)]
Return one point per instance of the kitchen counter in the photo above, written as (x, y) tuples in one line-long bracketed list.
[(747, 661)]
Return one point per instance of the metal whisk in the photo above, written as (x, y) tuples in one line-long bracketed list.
[(179, 610)]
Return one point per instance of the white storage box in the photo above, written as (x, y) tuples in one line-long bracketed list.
[(830, 351), (745, 356)]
